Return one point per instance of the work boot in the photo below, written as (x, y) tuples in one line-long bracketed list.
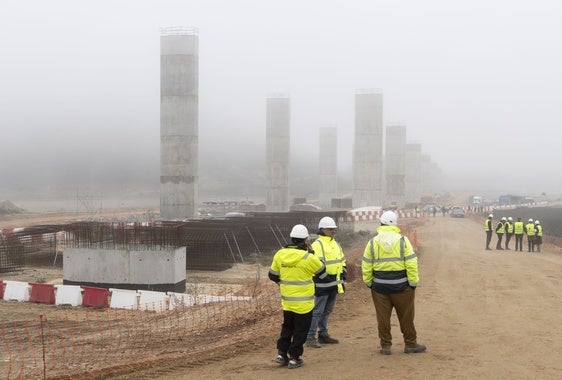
[(312, 342), (385, 351), (295, 362), (415, 350), (282, 359), (326, 339)]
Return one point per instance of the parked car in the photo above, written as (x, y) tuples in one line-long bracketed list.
[(456, 212)]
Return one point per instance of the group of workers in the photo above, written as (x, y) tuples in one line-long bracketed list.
[(506, 226), (310, 276)]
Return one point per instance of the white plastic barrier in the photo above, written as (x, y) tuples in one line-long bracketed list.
[(180, 299), (153, 301), (206, 298), (68, 295), (124, 299), (16, 290)]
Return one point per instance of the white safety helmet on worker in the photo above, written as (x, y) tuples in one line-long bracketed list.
[(530, 219), (299, 231), (504, 219), (491, 216), (327, 222), (389, 218), (510, 219), (537, 222)]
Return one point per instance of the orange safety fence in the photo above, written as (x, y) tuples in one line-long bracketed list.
[(88, 342)]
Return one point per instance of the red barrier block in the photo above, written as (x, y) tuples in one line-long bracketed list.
[(42, 293), (95, 297), (1, 290)]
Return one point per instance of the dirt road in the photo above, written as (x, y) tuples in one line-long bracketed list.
[(482, 314)]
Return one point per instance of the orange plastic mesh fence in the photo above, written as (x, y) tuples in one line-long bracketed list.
[(86, 342)]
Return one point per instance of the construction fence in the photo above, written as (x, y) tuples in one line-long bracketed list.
[(85, 343)]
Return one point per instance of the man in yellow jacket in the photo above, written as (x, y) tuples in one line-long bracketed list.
[(390, 270), (292, 269), (329, 251)]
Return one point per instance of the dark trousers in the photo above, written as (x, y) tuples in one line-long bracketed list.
[(293, 333), (500, 237), (519, 242), (488, 239), (531, 243), (403, 302), (507, 239)]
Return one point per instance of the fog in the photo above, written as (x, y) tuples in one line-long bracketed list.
[(477, 84)]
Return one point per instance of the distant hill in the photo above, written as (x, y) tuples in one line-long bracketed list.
[(7, 207)]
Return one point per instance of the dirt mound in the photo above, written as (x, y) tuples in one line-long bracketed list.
[(7, 207)]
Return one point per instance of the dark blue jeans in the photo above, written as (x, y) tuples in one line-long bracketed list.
[(323, 306)]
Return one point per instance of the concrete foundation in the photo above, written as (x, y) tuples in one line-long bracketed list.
[(137, 270)]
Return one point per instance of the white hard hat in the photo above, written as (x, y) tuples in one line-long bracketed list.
[(510, 219), (389, 218), (327, 222), (299, 231), (537, 222), (491, 216), (504, 219), (530, 219)]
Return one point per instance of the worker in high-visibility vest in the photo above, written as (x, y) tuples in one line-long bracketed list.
[(390, 270), (489, 230), (530, 231), (508, 231), (518, 230), (538, 235), (293, 268), (329, 251), (500, 230)]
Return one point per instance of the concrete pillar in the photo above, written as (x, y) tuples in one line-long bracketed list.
[(367, 149), (328, 166), (395, 164), (179, 99), (277, 141), (413, 173)]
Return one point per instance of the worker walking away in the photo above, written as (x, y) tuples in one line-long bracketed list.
[(292, 269), (500, 230), (489, 230), (538, 235), (508, 231), (530, 231), (390, 270), (329, 251), (518, 230)]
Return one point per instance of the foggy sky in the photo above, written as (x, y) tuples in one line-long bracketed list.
[(478, 84)]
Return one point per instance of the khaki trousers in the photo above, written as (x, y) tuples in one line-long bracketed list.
[(403, 302)]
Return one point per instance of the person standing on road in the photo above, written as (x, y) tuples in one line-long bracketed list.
[(538, 235), (489, 230), (530, 231), (293, 268), (390, 270), (500, 230), (329, 251), (518, 229), (508, 231)]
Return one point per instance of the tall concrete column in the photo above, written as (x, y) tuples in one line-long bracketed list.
[(413, 173), (367, 149), (179, 99), (328, 166), (395, 159), (277, 141)]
